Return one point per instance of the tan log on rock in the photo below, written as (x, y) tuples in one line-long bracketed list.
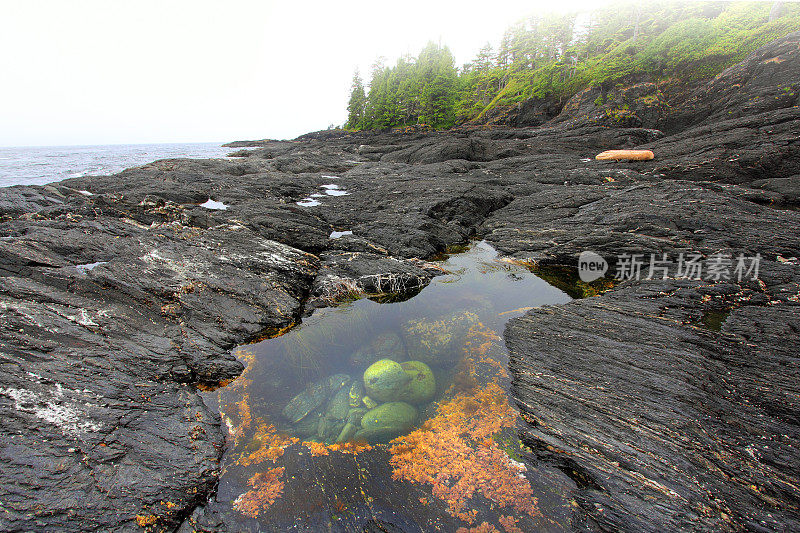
[(630, 155)]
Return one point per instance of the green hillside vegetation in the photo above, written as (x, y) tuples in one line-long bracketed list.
[(556, 56)]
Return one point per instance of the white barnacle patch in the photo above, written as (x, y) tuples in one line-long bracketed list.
[(90, 266), (182, 267), (152, 256), (334, 288), (53, 407), (85, 320), (279, 252), (520, 467)]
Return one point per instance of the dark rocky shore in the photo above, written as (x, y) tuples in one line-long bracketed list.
[(122, 295)]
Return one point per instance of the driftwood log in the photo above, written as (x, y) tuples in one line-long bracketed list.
[(630, 155)]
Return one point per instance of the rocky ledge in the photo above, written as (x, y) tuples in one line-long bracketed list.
[(123, 295)]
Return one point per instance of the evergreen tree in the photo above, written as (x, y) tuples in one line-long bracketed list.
[(438, 81), (357, 105)]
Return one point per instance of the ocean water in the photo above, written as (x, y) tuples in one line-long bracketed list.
[(38, 165)]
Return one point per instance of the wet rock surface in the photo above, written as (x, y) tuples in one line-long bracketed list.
[(121, 295), (662, 423)]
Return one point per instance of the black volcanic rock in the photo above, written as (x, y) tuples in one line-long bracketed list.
[(665, 425), (106, 324), (654, 217), (743, 150)]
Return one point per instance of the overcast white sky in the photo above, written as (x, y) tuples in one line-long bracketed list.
[(118, 71)]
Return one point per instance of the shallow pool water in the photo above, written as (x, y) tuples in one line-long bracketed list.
[(308, 202), (391, 411), (333, 189), (214, 205)]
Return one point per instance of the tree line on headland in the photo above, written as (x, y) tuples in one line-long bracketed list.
[(554, 56)]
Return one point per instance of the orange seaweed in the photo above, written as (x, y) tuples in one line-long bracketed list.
[(509, 523), (271, 445), (267, 487), (351, 447), (454, 451), (316, 448), (485, 527)]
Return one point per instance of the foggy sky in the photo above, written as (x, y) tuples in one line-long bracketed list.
[(118, 71)]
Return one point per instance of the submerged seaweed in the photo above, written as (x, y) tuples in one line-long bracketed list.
[(566, 278)]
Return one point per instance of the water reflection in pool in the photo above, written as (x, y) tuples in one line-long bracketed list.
[(398, 411)]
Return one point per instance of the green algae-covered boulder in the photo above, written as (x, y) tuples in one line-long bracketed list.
[(313, 396), (422, 386), (339, 404), (354, 417), (384, 379), (386, 421), (329, 428), (384, 346), (369, 402), (356, 394), (308, 425), (391, 414)]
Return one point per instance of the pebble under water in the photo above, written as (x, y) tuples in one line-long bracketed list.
[(390, 413)]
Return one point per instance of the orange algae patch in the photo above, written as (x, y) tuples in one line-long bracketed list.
[(480, 344), (354, 448), (146, 520), (316, 448), (454, 453), (240, 409), (509, 523), (265, 445), (271, 445), (628, 155), (485, 527), (267, 487)]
